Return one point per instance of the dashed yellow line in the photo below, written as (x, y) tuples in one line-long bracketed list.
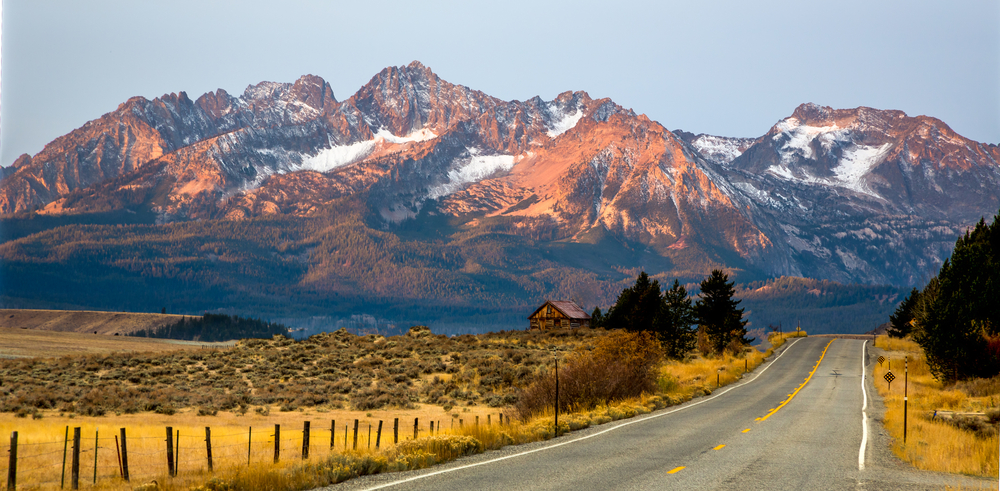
[(676, 470), (796, 391), (719, 447), (746, 430)]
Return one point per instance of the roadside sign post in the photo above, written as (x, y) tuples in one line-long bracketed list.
[(906, 376), (557, 396), (889, 377), (881, 360)]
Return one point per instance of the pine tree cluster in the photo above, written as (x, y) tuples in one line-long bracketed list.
[(956, 317), (675, 319)]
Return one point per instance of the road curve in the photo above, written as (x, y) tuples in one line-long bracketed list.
[(795, 423)]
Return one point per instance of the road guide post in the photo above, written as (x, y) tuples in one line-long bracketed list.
[(906, 376)]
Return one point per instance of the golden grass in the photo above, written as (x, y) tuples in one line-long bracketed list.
[(41, 441), (931, 444), (682, 380), (27, 343), (777, 339)]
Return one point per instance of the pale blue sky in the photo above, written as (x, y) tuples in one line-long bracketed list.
[(722, 67)]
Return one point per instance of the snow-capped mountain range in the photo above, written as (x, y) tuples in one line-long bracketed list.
[(852, 195)]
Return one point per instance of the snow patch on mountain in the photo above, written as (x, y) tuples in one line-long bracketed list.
[(799, 138), (857, 162), (338, 156), (565, 123), (420, 135), (720, 149), (477, 168)]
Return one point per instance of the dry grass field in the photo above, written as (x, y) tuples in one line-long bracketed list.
[(84, 321), (965, 446), (29, 343), (330, 380)]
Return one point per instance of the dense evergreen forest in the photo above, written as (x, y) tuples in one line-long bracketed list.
[(215, 327), (956, 317)]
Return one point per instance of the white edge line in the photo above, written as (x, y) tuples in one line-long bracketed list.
[(592, 435), (864, 412)]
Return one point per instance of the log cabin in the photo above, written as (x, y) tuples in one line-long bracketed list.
[(557, 313)]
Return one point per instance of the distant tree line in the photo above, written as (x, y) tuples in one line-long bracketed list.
[(956, 316), (215, 327), (676, 320)]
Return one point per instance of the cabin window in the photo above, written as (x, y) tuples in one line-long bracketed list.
[(548, 310)]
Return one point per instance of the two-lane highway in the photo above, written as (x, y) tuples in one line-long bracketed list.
[(795, 423)]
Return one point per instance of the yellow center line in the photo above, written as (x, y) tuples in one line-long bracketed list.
[(676, 470), (719, 447), (746, 430), (796, 391)]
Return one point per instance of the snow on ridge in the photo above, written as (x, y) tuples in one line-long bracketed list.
[(338, 156), (566, 122), (852, 167), (341, 155), (718, 148), (420, 135), (800, 138), (475, 169), (858, 162)]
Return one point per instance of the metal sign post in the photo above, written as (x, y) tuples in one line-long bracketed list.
[(906, 376)]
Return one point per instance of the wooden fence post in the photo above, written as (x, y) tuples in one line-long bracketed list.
[(249, 443), (488, 420), (12, 465), (355, 435), (477, 421), (369, 435), (124, 457), (378, 437), (177, 452), (170, 451), (62, 483), (415, 422), (74, 470), (305, 440), (118, 450), (333, 431), (345, 436), (395, 431), (277, 442), (97, 443), (208, 447), (432, 427)]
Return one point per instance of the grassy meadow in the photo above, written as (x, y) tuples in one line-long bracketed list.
[(965, 445), (242, 392)]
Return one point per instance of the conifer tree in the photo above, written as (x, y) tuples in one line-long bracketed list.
[(717, 313), (636, 306), (674, 323), (901, 318)]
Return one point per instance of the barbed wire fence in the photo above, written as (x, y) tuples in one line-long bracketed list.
[(80, 460)]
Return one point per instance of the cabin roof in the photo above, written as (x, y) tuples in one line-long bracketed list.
[(568, 308)]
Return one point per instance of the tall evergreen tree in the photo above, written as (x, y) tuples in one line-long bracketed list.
[(674, 323), (957, 317), (596, 318), (901, 318), (717, 313), (636, 306)]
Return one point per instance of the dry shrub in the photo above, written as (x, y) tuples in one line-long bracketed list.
[(621, 365)]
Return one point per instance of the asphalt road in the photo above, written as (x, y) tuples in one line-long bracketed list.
[(773, 430)]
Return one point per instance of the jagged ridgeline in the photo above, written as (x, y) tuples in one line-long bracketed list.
[(215, 327)]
